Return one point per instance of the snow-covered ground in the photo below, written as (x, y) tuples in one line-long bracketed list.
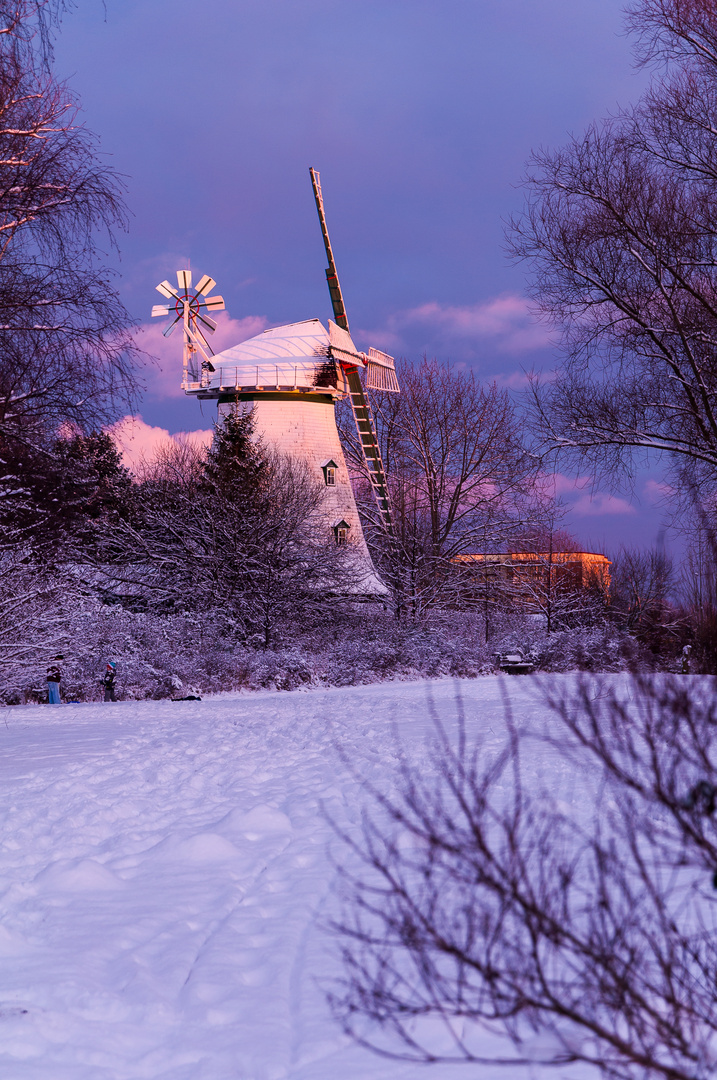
[(164, 871)]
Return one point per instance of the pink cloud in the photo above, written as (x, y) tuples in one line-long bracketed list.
[(599, 504), (575, 496), (139, 443), (515, 380), (553, 485), (568, 485), (164, 379), (656, 493), (506, 320)]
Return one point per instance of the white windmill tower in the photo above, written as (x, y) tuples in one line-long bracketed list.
[(291, 377)]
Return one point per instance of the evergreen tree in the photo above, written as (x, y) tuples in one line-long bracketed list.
[(50, 495), (94, 474), (235, 467)]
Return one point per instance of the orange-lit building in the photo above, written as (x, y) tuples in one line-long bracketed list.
[(567, 569)]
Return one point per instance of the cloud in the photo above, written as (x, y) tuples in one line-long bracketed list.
[(140, 443), (656, 493), (506, 321), (514, 380), (555, 484), (568, 485), (164, 379), (599, 504), (572, 490)]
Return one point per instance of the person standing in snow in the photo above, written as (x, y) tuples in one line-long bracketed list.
[(54, 675), (108, 681), (686, 659)]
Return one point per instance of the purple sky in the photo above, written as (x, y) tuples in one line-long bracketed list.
[(419, 114)]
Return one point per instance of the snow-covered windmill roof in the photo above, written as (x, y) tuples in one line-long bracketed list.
[(300, 339), (291, 357)]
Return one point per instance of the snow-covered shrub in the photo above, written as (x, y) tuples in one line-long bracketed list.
[(601, 647), (164, 656)]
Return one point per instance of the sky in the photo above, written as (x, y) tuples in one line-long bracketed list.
[(420, 116)]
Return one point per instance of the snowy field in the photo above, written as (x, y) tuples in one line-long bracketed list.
[(164, 872)]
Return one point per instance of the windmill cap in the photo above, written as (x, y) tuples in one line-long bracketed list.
[(285, 358)]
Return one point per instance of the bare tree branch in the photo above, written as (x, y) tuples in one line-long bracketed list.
[(476, 896), (619, 231)]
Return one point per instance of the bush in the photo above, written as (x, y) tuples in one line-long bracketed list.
[(174, 655)]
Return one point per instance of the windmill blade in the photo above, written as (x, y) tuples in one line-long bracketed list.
[(381, 372), (184, 279), (161, 309), (332, 277), (168, 290), (343, 349), (213, 303), (170, 328), (206, 284), (342, 346), (345, 357), (196, 334), (206, 321)]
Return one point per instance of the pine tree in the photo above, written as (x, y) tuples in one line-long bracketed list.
[(94, 474), (235, 467), (48, 495)]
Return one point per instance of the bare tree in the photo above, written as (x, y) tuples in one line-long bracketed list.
[(457, 473), (258, 553), (27, 28), (66, 350), (550, 577), (642, 597), (698, 594), (619, 230), (482, 902), (35, 604)]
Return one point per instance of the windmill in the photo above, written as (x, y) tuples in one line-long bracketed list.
[(290, 378), (190, 308)]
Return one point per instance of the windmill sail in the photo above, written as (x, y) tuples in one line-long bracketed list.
[(342, 346), (381, 372), (189, 309), (332, 277)]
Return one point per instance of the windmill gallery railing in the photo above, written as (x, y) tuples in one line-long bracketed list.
[(238, 378)]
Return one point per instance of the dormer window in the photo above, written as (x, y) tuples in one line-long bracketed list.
[(341, 532), (329, 470)]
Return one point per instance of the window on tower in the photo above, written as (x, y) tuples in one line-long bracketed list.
[(329, 471), (341, 532)]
